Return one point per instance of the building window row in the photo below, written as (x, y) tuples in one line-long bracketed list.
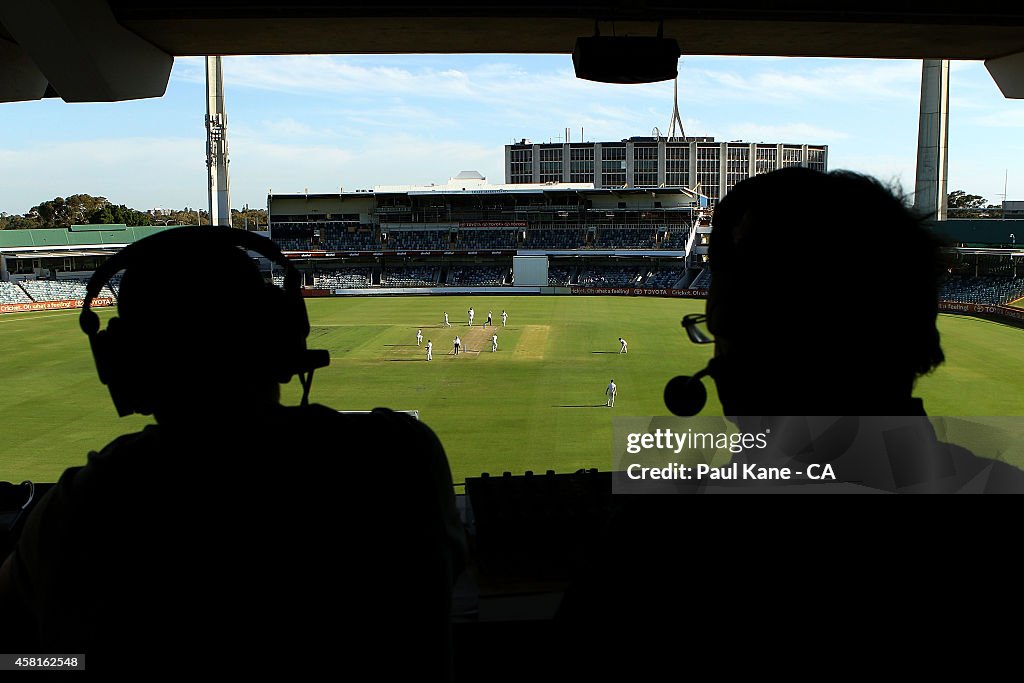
[(613, 153)]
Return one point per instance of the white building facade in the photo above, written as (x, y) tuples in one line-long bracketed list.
[(699, 163)]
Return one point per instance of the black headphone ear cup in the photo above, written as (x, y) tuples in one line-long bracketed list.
[(112, 353), (287, 330), (103, 345)]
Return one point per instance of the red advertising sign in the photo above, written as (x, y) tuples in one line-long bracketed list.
[(639, 291), (54, 305), (1006, 312), (405, 252)]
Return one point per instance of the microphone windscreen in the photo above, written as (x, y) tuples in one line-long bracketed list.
[(685, 395)]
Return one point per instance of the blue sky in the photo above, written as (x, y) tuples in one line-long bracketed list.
[(324, 122)]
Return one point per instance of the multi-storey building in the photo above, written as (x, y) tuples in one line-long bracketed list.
[(700, 163)]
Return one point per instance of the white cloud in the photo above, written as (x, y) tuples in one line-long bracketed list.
[(325, 121), (149, 172), (894, 170), (1007, 118), (139, 172), (498, 84), (854, 81), (982, 177), (801, 133), (377, 160), (287, 127)]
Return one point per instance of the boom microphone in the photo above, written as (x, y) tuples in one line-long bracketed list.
[(685, 395)]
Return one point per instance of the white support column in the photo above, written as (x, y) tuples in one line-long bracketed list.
[(629, 165), (723, 169), (933, 139), (692, 170), (662, 162), (217, 144)]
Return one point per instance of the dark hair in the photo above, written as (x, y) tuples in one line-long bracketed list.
[(857, 268)]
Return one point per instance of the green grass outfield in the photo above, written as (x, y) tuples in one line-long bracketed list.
[(537, 404)]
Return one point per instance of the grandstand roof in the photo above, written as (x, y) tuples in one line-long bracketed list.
[(49, 242), (478, 188)]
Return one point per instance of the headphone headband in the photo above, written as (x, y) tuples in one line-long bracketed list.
[(288, 344), (219, 235)]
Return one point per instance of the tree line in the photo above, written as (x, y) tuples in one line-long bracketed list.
[(960, 204), (84, 209)]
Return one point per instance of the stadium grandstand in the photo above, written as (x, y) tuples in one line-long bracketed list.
[(49, 268), (985, 276), (466, 234)]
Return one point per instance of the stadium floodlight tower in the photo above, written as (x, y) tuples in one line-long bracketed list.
[(217, 144), (933, 140)]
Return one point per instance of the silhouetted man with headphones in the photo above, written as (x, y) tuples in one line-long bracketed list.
[(235, 532), (846, 335), (850, 336)]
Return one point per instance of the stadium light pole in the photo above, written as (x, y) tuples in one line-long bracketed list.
[(933, 139), (217, 144)]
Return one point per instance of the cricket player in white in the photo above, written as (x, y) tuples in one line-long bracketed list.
[(471, 317), (610, 393), (430, 348), (419, 337), (446, 323), (494, 343), (504, 318), (622, 349)]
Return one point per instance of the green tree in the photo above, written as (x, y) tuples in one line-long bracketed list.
[(62, 213), (15, 222), (963, 205), (958, 199), (254, 219)]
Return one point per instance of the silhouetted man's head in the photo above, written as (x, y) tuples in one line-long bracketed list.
[(199, 324), (823, 297)]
